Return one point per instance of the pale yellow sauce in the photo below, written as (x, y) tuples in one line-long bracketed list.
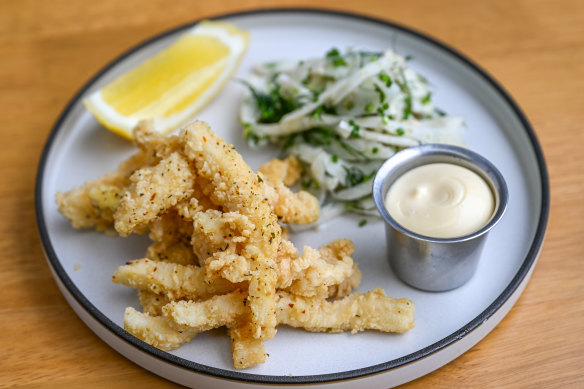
[(440, 200)]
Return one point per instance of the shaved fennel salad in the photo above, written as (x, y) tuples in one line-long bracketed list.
[(342, 116)]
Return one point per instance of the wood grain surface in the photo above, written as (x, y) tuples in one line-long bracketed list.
[(49, 49)]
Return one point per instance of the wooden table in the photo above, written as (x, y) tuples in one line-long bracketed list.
[(49, 49)]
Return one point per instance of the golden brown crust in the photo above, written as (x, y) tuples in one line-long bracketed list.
[(286, 171), (218, 256)]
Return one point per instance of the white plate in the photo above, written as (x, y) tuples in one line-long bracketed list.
[(447, 324)]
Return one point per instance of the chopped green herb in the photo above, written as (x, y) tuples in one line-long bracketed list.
[(354, 175), (289, 142), (408, 107), (385, 78), (426, 99), (351, 206), (362, 223), (271, 104), (381, 93), (334, 52), (339, 62), (335, 158), (400, 131), (251, 135), (318, 112), (335, 57), (355, 129)]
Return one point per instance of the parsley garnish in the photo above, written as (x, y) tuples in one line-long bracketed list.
[(426, 99), (335, 57), (355, 130), (385, 78)]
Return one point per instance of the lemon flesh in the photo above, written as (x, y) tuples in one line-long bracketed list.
[(173, 85)]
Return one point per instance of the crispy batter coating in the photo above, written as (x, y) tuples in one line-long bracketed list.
[(247, 351), (357, 312), (218, 256), (93, 204), (215, 231), (290, 207), (153, 144), (279, 174), (171, 228), (214, 312), (171, 235), (157, 331), (347, 285), (154, 190), (286, 171), (235, 186), (124, 197), (180, 281), (172, 280), (151, 302), (237, 189), (317, 272), (180, 252)]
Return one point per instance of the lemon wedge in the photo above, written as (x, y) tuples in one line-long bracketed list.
[(173, 85)]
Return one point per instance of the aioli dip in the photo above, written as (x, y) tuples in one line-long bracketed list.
[(440, 200)]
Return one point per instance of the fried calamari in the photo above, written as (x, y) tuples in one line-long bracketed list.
[(219, 256)]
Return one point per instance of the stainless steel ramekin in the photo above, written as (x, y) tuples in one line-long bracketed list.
[(436, 264)]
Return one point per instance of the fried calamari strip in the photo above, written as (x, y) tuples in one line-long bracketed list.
[(171, 235), (179, 252), (316, 271), (93, 204), (235, 186), (171, 228), (290, 207), (308, 276), (154, 190), (286, 171), (157, 331), (218, 232), (172, 280), (153, 144), (347, 286), (357, 312), (217, 311), (236, 189), (151, 302), (219, 256), (247, 351), (219, 237), (276, 176)]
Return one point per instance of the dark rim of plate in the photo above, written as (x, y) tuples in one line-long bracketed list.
[(345, 375)]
